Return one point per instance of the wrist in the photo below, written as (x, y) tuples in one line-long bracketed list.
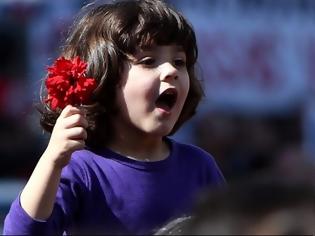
[(55, 159)]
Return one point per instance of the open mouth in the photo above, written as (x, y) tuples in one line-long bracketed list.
[(167, 99)]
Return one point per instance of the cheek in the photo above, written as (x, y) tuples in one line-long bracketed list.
[(139, 90), (141, 85)]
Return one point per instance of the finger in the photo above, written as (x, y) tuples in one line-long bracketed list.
[(75, 120), (76, 144), (70, 110), (76, 133)]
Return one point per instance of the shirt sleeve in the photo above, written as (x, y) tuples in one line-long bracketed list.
[(18, 222)]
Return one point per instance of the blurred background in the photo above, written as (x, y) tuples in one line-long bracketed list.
[(257, 63)]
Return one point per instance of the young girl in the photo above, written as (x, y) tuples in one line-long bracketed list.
[(110, 167)]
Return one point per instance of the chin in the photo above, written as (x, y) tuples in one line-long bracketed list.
[(162, 131), (159, 128)]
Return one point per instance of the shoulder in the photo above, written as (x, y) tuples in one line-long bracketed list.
[(191, 151), (80, 166), (194, 157), (81, 159)]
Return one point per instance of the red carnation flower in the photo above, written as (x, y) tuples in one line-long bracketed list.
[(68, 84)]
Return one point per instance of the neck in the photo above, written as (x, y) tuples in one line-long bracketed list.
[(142, 147)]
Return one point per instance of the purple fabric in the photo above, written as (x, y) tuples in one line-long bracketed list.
[(110, 194)]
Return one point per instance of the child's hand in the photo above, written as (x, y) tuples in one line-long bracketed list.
[(68, 135)]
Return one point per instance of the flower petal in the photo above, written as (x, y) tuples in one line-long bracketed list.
[(67, 83)]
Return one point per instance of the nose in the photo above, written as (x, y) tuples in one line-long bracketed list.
[(168, 71)]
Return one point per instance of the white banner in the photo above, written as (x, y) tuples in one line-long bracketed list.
[(255, 62)]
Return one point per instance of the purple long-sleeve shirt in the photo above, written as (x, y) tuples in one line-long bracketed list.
[(108, 193)]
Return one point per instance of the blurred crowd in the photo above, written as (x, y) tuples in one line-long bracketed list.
[(29, 35), (271, 202)]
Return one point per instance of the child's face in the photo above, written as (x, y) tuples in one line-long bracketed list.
[(153, 90)]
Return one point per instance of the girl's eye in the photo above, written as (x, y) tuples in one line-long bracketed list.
[(179, 62), (147, 61)]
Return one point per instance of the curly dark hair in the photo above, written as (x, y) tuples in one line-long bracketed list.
[(104, 35)]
